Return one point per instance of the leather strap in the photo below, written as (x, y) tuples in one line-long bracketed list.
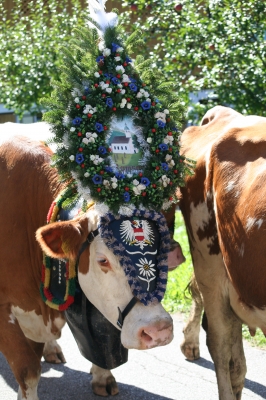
[(122, 315), (88, 241)]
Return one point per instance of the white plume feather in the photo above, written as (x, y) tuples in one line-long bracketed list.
[(100, 16)]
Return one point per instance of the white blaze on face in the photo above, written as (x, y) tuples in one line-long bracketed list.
[(106, 286)]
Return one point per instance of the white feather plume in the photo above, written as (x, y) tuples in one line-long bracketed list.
[(100, 16)]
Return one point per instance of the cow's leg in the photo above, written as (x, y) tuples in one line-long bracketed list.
[(190, 344), (52, 353), (22, 356), (238, 367), (103, 382)]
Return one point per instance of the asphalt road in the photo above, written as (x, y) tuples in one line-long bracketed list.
[(157, 374)]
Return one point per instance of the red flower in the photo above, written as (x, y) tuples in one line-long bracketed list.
[(157, 168), (126, 189), (80, 149), (140, 174), (125, 64), (77, 106), (99, 190), (136, 108), (153, 130), (153, 185), (143, 194), (175, 171), (128, 99), (157, 151), (101, 172), (82, 165), (125, 83), (118, 90), (105, 127), (153, 103), (79, 134), (169, 133), (103, 95), (118, 76), (89, 115), (96, 85), (114, 108)]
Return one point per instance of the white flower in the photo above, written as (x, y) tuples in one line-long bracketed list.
[(119, 86), (76, 92), (148, 100), (160, 115), (106, 183), (109, 90), (120, 68), (92, 157), (146, 94), (136, 190), (149, 140), (129, 105), (122, 105), (119, 49), (72, 129), (135, 182), (86, 174), (114, 185), (168, 157), (168, 140), (85, 140), (166, 111), (91, 140), (125, 78), (76, 100), (139, 95), (72, 158), (114, 179), (142, 187), (141, 90), (66, 120), (106, 52), (117, 58), (145, 268), (171, 163), (96, 74), (123, 91), (94, 135)]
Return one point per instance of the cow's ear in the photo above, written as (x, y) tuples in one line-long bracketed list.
[(63, 239)]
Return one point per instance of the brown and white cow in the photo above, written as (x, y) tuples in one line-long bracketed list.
[(29, 185), (224, 207)]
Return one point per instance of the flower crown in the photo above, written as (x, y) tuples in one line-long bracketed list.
[(116, 139)]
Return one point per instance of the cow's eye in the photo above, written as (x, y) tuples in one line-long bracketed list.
[(103, 263)]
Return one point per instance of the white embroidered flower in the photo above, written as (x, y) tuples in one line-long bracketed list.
[(136, 190), (135, 182), (72, 158), (148, 100), (97, 160), (168, 140), (166, 111), (109, 90), (161, 116), (168, 157), (146, 94), (114, 179), (120, 68), (124, 100), (139, 95), (87, 174), (146, 268), (106, 183), (122, 105), (114, 185), (129, 105), (117, 58), (72, 129), (119, 86), (92, 157), (142, 187), (76, 100), (96, 74), (171, 163), (85, 140), (141, 90), (106, 52), (123, 91), (91, 140), (149, 140), (119, 49)]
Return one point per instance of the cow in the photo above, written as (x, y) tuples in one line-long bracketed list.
[(224, 210), (29, 186)]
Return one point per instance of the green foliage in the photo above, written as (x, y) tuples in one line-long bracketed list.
[(211, 44), (29, 50), (176, 297)]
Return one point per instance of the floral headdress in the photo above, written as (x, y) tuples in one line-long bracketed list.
[(116, 121)]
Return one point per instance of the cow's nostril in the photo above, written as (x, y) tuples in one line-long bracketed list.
[(145, 336)]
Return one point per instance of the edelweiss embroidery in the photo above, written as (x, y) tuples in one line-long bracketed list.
[(146, 270), (137, 232)]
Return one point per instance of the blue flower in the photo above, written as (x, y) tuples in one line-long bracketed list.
[(98, 127), (99, 59), (165, 167), (77, 121), (126, 196), (108, 75), (119, 175), (160, 123), (115, 47), (86, 89), (115, 80), (163, 146), (97, 179), (145, 181), (102, 150), (127, 59), (109, 102), (133, 87), (109, 169), (79, 158), (146, 105), (133, 80)]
